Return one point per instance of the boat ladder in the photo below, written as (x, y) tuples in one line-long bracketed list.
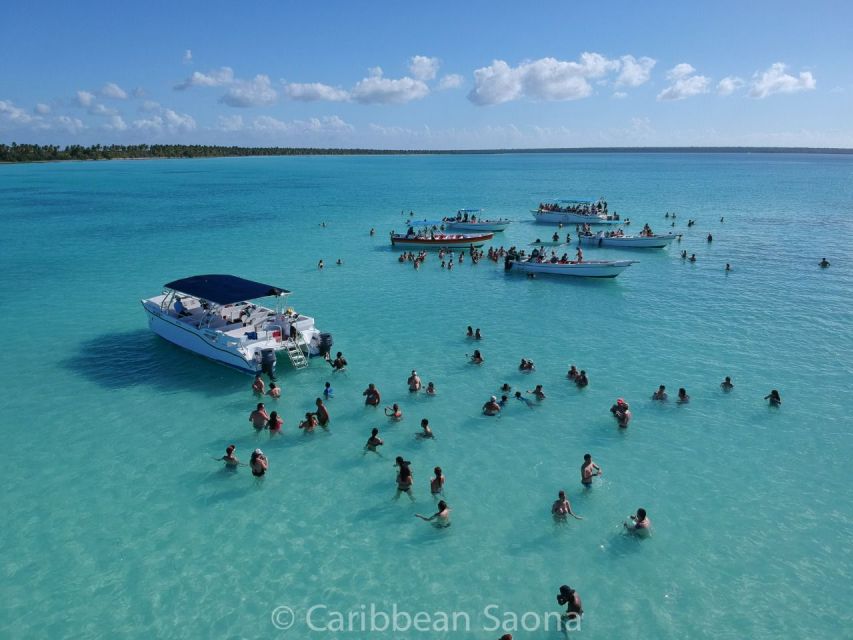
[(295, 351)]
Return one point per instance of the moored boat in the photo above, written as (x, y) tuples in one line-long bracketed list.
[(214, 316), (585, 269), (575, 211), (433, 240), (471, 220), (602, 239)]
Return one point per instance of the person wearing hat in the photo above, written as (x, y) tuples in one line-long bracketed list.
[(259, 463), (414, 382), (621, 412), (492, 408)]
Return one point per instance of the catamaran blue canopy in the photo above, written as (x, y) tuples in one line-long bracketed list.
[(224, 289)]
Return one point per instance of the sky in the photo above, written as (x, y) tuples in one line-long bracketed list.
[(437, 75)]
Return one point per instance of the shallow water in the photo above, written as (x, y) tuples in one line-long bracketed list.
[(118, 522)]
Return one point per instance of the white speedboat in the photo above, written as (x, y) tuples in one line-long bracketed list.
[(585, 269), (470, 220), (215, 317), (574, 211), (433, 240), (601, 239)]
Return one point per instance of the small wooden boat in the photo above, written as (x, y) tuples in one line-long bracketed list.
[(469, 220), (585, 269), (440, 240), (632, 242)]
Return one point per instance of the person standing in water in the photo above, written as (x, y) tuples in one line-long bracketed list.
[(570, 598), (322, 413), (373, 442), (275, 423), (726, 385), (371, 395), (774, 398), (230, 460), (275, 391), (440, 518), (563, 508), (414, 382), (660, 394), (259, 417), (436, 484), (641, 525), (404, 478), (589, 470), (258, 385), (683, 398), (259, 463), (426, 432)]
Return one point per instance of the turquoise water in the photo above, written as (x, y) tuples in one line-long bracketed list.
[(118, 522)]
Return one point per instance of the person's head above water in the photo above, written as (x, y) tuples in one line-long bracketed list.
[(587, 457), (641, 514)]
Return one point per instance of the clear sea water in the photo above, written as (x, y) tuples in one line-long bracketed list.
[(118, 523)]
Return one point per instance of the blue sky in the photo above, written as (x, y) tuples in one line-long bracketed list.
[(428, 75)]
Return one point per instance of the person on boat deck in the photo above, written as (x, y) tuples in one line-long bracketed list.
[(275, 391), (259, 417), (562, 508), (477, 358), (824, 263), (726, 385), (579, 255), (582, 380), (410, 233), (322, 413), (258, 385), (589, 470), (394, 412), (492, 408), (275, 423), (641, 525), (371, 395), (230, 460), (373, 441), (660, 394), (259, 463), (440, 518), (181, 310), (573, 373), (426, 432), (414, 382), (774, 398)]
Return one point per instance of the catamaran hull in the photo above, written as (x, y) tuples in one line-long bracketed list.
[(592, 269), (633, 242), (478, 226), (199, 342), (556, 217)]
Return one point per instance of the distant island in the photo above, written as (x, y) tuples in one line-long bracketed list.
[(49, 153)]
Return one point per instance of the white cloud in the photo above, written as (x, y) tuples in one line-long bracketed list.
[(451, 81), (166, 121), (188, 57), (112, 90), (775, 80), (71, 125), (98, 109), (252, 93), (325, 125), (14, 115), (116, 123), (309, 92), (149, 105), (376, 89), (423, 68), (635, 71), (85, 99), (42, 108), (619, 95), (684, 83), (215, 78), (728, 85)]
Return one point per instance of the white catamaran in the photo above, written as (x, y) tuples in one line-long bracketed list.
[(214, 316)]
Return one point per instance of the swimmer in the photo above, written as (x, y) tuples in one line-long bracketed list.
[(660, 394), (537, 391), (275, 391), (518, 396), (726, 385), (436, 484), (258, 385), (692, 257), (322, 413), (710, 238), (320, 264), (588, 471), (503, 401), (506, 388), (426, 431), (824, 263), (573, 373), (492, 408), (641, 525), (430, 390), (339, 363), (259, 417), (373, 441), (309, 423), (684, 255), (274, 423), (372, 231), (259, 463), (683, 398), (570, 598), (562, 508), (230, 460), (441, 517), (371, 395), (621, 412), (477, 334), (728, 267), (774, 398), (404, 478), (477, 358), (394, 412), (339, 262), (582, 381), (414, 382), (328, 392)]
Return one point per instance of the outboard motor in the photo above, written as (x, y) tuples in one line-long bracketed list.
[(268, 362), (326, 343)]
